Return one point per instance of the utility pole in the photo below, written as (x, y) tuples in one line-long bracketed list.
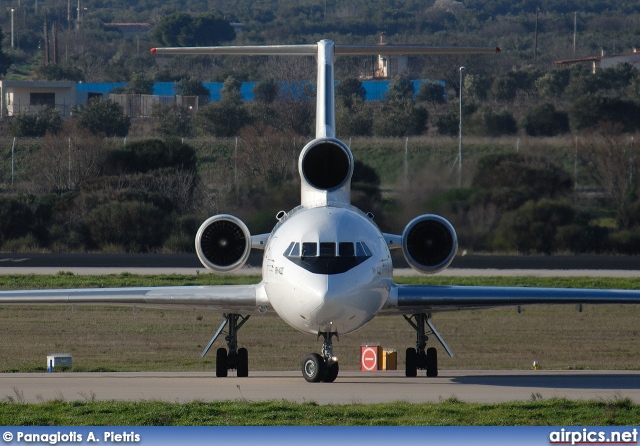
[(79, 17), (575, 29), (462, 70), (54, 43), (46, 40), (535, 48)]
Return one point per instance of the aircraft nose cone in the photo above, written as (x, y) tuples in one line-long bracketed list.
[(325, 301)]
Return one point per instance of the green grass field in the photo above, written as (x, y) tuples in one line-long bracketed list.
[(120, 339)]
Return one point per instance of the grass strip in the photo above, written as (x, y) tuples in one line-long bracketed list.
[(449, 412), (70, 280)]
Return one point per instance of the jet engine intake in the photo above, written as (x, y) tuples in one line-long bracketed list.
[(223, 243), (326, 164), (429, 243)]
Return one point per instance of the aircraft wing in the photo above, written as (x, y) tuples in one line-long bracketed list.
[(220, 298), (413, 299)]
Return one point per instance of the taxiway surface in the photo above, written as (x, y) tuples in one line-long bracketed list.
[(350, 387)]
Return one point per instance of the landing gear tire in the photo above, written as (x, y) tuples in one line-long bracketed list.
[(221, 363), (242, 366), (411, 363), (314, 368), (331, 373), (432, 362)]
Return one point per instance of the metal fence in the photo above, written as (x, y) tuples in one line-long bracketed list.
[(18, 108), (142, 105)]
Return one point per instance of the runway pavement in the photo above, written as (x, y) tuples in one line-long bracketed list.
[(350, 387), (463, 265)]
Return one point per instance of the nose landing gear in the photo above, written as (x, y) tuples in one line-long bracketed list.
[(317, 368)]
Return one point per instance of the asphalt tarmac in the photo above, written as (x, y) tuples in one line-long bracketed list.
[(463, 265), (489, 386)]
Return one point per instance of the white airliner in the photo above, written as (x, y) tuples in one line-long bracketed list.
[(327, 267)]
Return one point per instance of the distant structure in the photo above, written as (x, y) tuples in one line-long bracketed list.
[(24, 97), (604, 61), (19, 97), (384, 65), (130, 28)]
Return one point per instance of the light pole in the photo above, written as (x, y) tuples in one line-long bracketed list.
[(12, 29), (462, 70)]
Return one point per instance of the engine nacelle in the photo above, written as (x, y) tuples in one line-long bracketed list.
[(326, 167), (326, 164), (223, 243), (429, 243)]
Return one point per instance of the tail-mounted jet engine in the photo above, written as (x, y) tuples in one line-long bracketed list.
[(223, 243), (326, 164), (429, 243)]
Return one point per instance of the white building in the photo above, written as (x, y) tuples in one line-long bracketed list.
[(32, 96)]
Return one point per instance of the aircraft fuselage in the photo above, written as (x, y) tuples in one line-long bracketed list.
[(327, 269)]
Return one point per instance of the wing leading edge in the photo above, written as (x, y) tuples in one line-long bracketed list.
[(220, 298), (412, 299)]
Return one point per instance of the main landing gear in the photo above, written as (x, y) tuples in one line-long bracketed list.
[(419, 358), (324, 367), (234, 358)]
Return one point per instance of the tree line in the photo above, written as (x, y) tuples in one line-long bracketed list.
[(527, 101), (83, 192)]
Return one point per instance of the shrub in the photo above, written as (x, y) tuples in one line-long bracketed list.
[(533, 227), (594, 110), (626, 241), (134, 225), (47, 120), (103, 117), (354, 119), (173, 121), (513, 176), (484, 122), (545, 120), (400, 118), (432, 92), (153, 154), (27, 243), (16, 218)]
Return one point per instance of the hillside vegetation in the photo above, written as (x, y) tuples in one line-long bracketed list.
[(550, 157)]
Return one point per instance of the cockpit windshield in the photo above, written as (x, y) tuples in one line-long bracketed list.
[(328, 257)]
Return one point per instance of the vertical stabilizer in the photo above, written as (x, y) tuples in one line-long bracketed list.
[(325, 106)]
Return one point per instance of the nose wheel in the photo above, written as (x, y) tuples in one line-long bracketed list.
[(321, 368)]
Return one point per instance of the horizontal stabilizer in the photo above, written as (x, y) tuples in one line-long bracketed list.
[(312, 50)]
